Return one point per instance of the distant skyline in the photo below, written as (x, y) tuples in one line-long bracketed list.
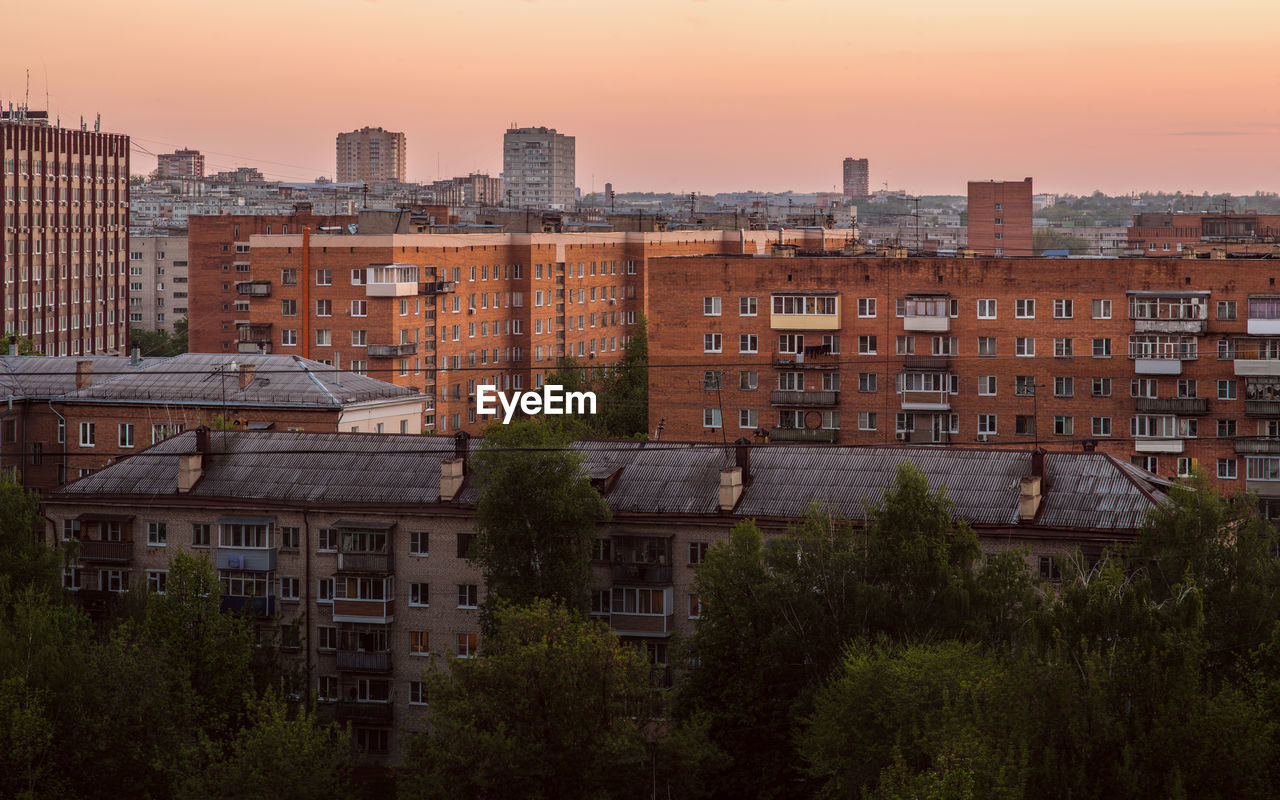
[(684, 95)]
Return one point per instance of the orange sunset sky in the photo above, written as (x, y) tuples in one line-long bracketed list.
[(683, 95)]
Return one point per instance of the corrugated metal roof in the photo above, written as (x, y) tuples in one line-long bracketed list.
[(1082, 490), (41, 377)]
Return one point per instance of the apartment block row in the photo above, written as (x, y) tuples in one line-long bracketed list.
[(1168, 363), (159, 288), (65, 237), (441, 313), (364, 569)]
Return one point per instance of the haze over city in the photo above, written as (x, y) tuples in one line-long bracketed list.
[(684, 96)]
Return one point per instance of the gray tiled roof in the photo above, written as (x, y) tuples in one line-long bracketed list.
[(196, 378), (1089, 491)]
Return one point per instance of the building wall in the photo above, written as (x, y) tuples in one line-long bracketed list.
[(218, 257), (538, 168), (1009, 202), (857, 174), (678, 324), (65, 237), (181, 164), (159, 286), (371, 155)]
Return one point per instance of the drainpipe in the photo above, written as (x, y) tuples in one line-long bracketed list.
[(306, 599), (65, 433), (305, 278)]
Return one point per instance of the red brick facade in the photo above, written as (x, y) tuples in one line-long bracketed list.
[(1000, 218), (1208, 390)]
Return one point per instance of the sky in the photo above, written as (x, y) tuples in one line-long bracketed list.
[(684, 95)]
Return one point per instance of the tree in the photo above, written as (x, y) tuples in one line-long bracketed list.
[(26, 347), (160, 344), (536, 517), (25, 560), (554, 708), (624, 401), (1049, 239), (282, 754)]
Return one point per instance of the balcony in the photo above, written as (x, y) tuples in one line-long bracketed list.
[(1263, 488), (358, 711), (1261, 445), (1264, 327), (1157, 366), (819, 360), (1170, 312), (364, 660), (253, 336), (247, 559), (802, 399), (1158, 445), (926, 400), (94, 551), (803, 434), (391, 280), (1251, 365), (1262, 408), (939, 363), (249, 606), (378, 563), (624, 572), (1192, 327), (254, 289), (926, 323), (1192, 406), (392, 350), (376, 611), (652, 625), (432, 288)]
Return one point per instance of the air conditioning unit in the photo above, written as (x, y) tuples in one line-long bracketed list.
[(982, 437), (902, 436)]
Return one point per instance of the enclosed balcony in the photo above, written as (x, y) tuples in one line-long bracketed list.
[(808, 311), (364, 546), (374, 661), (392, 280), (432, 288), (358, 610), (251, 606), (1186, 406), (1256, 357), (927, 313), (1262, 475), (1264, 314), (247, 559), (393, 350), (254, 288), (1155, 354), (1262, 444), (364, 712), (106, 538), (642, 559), (642, 624), (1169, 312), (244, 544), (781, 434), (924, 391), (803, 399), (252, 337), (641, 611), (927, 363)]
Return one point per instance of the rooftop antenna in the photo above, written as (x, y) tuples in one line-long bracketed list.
[(26, 103)]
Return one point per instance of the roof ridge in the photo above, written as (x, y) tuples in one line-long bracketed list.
[(306, 369)]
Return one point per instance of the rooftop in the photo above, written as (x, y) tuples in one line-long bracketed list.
[(1082, 491)]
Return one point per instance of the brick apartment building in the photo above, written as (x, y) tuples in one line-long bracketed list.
[(188, 164), (371, 155), (65, 237), (1164, 362), (370, 553), (1238, 234), (444, 313), (68, 417), (1000, 218), (218, 262)]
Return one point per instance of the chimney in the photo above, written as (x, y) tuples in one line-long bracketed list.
[(742, 456), (13, 348), (730, 488), (84, 374), (1031, 488), (246, 375), (461, 442), (135, 356), (191, 465), (452, 474)]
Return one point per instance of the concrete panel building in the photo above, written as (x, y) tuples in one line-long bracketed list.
[(188, 164), (159, 292), (538, 169), (857, 178), (371, 155)]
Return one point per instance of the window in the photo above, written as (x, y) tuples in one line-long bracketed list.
[(199, 534), (867, 345), (1100, 426), (698, 552), (288, 337), (359, 308), (1226, 466), (417, 697), (1024, 385), (747, 307), (1102, 309), (804, 304), (987, 385), (748, 418), (866, 307), (1101, 387), (289, 588), (1226, 311), (1143, 387), (866, 381), (1063, 348), (748, 381), (1024, 425), (711, 343), (1064, 426), (468, 595), (1025, 347), (1048, 568), (1064, 386), (1024, 309), (1102, 348), (599, 601), (1186, 388), (324, 277), (1184, 467), (986, 345), (711, 418), (157, 534), (695, 606), (601, 549), (711, 306), (634, 600), (1226, 390), (1062, 309), (1144, 462), (987, 308), (748, 343), (157, 580), (360, 338), (419, 643), (418, 543), (1226, 428), (88, 431), (986, 424), (905, 345), (324, 308), (324, 338), (419, 595), (468, 645), (867, 421), (126, 434), (465, 542)]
